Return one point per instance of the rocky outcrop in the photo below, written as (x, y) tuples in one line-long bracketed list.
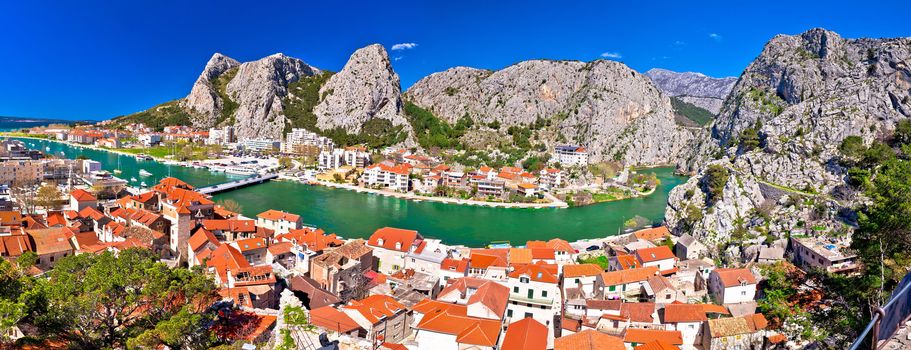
[(694, 88), (258, 89), (366, 88), (203, 101), (804, 94), (608, 107)]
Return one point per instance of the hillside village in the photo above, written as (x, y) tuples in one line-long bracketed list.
[(401, 289)]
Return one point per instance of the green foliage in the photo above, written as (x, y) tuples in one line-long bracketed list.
[(106, 298), (536, 163), (432, 131), (303, 96), (715, 179), (157, 117), (599, 260), (778, 288), (902, 134), (520, 136), (878, 153), (450, 91), (494, 124), (852, 147), (696, 114), (749, 139), (226, 115)]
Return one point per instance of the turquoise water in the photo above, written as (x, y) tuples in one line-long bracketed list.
[(351, 214)]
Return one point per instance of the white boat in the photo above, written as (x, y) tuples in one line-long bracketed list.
[(143, 156), (117, 171), (240, 170), (143, 185), (46, 149), (132, 179), (143, 172)]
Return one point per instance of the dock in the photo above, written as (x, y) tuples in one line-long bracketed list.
[(228, 186)]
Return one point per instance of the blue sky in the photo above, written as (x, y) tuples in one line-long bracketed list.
[(88, 59)]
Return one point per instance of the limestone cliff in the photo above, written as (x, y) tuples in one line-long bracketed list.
[(694, 88), (616, 112), (803, 95), (203, 101)]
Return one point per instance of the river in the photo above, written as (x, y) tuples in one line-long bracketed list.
[(351, 214)]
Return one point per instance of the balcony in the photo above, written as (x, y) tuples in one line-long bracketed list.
[(523, 298)]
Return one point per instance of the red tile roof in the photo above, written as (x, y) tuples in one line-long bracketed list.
[(733, 277), (525, 334), (51, 240), (375, 306), (652, 234), (676, 313), (545, 273), (15, 245), (390, 236), (452, 319), (642, 336), (457, 265), (276, 215), (250, 244), (225, 258), (493, 295), (580, 270), (646, 255), (82, 195), (201, 237), (614, 278), (638, 312), (461, 285), (656, 345), (230, 225), (315, 240), (588, 339)]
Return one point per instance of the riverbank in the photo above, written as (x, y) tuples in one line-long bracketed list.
[(417, 198)]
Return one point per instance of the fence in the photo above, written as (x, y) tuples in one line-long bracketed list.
[(887, 318)]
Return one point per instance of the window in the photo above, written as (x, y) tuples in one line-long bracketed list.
[(544, 294), (523, 279), (743, 292), (668, 296), (515, 289), (528, 314), (531, 293), (509, 313), (612, 288), (578, 281)]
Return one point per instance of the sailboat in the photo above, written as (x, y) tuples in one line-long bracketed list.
[(117, 171), (143, 172)]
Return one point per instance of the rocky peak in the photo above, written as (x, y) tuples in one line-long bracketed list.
[(258, 88), (366, 88), (203, 101), (604, 105), (695, 88)]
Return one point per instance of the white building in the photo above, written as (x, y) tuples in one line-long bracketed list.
[(534, 292), (391, 245), (221, 136), (388, 176), (279, 221), (550, 178), (302, 137), (581, 277), (661, 257), (261, 145), (687, 319), (732, 286), (149, 139), (569, 155)]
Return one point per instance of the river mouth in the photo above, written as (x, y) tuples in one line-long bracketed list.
[(357, 215)]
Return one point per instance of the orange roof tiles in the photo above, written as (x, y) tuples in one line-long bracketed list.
[(51, 240), (493, 295), (457, 265), (652, 234), (734, 277), (642, 336), (276, 215), (375, 306), (525, 334), (579, 270), (172, 182), (393, 238), (614, 278), (676, 313), (250, 244), (82, 195), (543, 254), (201, 237), (225, 258), (10, 218), (230, 225), (14, 245), (657, 345), (280, 248), (330, 318), (647, 255), (715, 309), (519, 256), (588, 339), (453, 319), (561, 245), (638, 312), (315, 240), (627, 261), (462, 285), (731, 326), (546, 273)]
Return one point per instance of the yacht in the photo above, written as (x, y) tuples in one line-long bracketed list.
[(143, 156), (117, 171), (143, 185), (143, 172), (132, 179), (240, 170)]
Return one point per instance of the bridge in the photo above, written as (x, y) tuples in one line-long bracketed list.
[(227, 186)]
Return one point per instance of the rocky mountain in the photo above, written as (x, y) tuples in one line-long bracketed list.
[(616, 112), (366, 88), (204, 101), (694, 88), (781, 127)]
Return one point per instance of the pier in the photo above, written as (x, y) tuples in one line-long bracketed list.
[(227, 186)]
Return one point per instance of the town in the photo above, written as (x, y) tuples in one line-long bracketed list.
[(565, 179), (400, 288)]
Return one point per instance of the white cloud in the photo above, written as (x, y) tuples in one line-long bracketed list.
[(679, 43), (612, 55), (715, 36), (396, 58), (404, 46)]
